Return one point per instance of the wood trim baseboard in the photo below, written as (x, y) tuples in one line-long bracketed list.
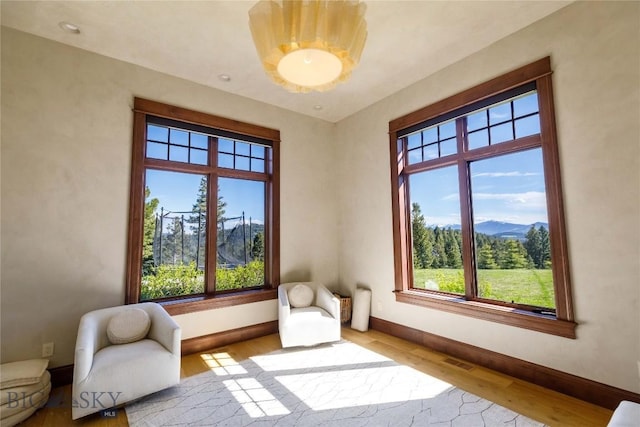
[(590, 391), (219, 339), (61, 375)]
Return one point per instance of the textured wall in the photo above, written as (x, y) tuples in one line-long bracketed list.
[(66, 148), (594, 49)]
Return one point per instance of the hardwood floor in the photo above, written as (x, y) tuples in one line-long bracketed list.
[(535, 402)]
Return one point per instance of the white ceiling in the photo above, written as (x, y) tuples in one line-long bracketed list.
[(199, 40)]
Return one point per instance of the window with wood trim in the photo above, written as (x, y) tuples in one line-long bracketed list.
[(477, 205), (204, 216)]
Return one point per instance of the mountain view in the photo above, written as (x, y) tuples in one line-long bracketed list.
[(501, 229)]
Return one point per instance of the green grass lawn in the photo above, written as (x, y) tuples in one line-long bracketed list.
[(533, 287)]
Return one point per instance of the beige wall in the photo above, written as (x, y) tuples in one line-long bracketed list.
[(66, 143), (595, 53)]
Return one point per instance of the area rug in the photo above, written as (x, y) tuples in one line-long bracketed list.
[(340, 384)]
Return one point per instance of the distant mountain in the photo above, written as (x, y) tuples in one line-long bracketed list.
[(501, 229)]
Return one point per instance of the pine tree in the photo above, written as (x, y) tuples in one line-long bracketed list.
[(545, 247), (150, 207), (515, 255), (439, 253), (421, 244), (452, 249), (485, 258), (257, 247), (533, 245)]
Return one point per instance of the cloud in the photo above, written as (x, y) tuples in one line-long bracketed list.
[(528, 200), (503, 174)]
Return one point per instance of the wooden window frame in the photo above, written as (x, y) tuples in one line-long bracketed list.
[(144, 109), (563, 322)]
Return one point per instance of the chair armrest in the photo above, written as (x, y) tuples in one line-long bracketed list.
[(86, 346), (326, 300), (164, 329), (284, 309)]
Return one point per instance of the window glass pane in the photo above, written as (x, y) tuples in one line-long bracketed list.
[(225, 161), (179, 137), (178, 154), (199, 157), (199, 140), (414, 141), (501, 133), (478, 139), (241, 207), (225, 146), (477, 120), (500, 113), (511, 231), (415, 156), (448, 147), (257, 151), (526, 105), (435, 231), (242, 163), (448, 130), (257, 165), (173, 251), (157, 133), (430, 135), (528, 126), (430, 152), (242, 148), (157, 151)]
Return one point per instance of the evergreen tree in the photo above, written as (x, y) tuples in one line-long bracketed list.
[(150, 207), (421, 244), (533, 245), (545, 247), (515, 256), (452, 249), (485, 258), (439, 253), (257, 247)]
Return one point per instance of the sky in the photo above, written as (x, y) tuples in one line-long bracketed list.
[(508, 188), (178, 192)]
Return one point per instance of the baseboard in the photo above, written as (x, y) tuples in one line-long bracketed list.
[(219, 339), (581, 388), (62, 375)]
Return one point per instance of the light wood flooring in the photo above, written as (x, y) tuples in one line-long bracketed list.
[(535, 402)]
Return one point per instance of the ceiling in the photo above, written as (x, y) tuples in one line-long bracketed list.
[(199, 40)]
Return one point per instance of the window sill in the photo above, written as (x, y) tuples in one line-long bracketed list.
[(493, 313), (201, 303)]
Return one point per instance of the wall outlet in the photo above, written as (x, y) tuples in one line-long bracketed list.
[(47, 349)]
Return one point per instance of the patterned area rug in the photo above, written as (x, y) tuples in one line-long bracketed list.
[(340, 384)]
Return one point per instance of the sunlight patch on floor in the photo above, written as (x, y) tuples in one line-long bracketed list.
[(254, 398), (222, 364), (360, 387)]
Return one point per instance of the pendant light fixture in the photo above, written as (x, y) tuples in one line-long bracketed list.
[(307, 45)]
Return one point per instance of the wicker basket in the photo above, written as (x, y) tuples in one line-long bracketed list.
[(345, 307)]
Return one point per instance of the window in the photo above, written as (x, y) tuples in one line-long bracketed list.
[(204, 216), (477, 205)]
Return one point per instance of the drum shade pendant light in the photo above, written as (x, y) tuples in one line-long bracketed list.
[(307, 45)]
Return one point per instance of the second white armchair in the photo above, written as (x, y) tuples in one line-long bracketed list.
[(306, 320)]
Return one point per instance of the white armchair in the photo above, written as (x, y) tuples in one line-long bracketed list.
[(107, 375), (306, 326)]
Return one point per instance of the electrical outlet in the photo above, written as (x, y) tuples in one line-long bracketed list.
[(379, 305), (47, 349)]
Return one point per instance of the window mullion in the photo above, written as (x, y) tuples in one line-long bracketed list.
[(468, 258), (212, 219)]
